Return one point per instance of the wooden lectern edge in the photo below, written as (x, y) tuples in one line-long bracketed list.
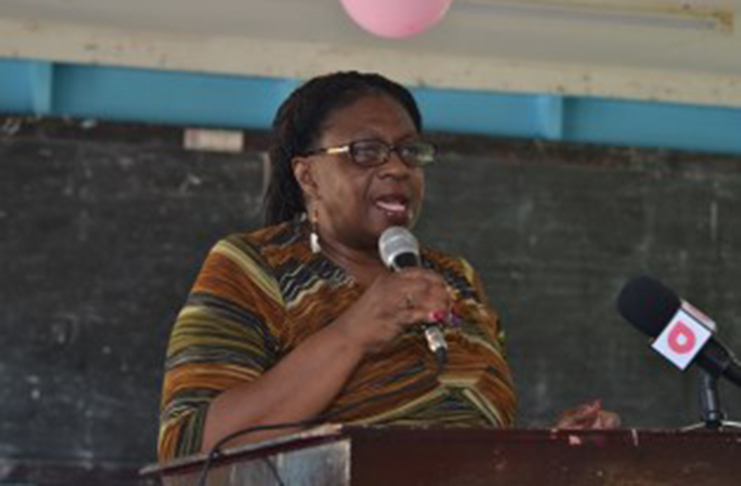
[(336, 431), (320, 431)]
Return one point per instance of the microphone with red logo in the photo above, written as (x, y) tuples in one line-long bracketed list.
[(682, 334)]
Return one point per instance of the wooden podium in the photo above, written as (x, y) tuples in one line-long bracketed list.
[(335, 455)]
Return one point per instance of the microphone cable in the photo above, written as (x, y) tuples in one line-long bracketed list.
[(215, 451)]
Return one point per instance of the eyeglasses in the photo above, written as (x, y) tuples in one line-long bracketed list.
[(371, 153)]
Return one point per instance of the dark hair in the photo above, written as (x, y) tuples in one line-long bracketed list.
[(298, 125)]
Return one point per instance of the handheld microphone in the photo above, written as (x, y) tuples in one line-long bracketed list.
[(683, 334), (399, 249)]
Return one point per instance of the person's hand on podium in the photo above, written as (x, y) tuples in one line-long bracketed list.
[(589, 416)]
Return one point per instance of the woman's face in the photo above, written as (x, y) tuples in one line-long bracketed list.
[(355, 204)]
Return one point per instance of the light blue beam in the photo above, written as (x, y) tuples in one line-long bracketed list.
[(199, 99)]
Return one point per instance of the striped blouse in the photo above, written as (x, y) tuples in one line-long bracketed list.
[(259, 295)]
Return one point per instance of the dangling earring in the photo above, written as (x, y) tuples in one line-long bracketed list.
[(314, 236)]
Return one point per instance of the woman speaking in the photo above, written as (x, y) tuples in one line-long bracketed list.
[(302, 319)]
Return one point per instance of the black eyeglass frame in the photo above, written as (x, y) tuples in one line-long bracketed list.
[(351, 148)]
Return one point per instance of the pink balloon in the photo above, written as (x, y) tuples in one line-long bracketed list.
[(396, 19)]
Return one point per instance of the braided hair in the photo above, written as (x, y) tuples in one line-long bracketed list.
[(298, 124)]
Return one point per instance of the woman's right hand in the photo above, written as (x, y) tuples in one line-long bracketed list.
[(392, 303)]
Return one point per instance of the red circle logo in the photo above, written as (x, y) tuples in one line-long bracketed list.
[(682, 339)]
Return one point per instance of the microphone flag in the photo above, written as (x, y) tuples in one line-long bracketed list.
[(683, 337)]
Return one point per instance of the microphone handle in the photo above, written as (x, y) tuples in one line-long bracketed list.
[(435, 338), (733, 373), (437, 344), (718, 361)]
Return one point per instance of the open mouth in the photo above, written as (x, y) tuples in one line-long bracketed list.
[(395, 207)]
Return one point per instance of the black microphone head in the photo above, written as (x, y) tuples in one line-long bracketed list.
[(647, 304), (398, 248)]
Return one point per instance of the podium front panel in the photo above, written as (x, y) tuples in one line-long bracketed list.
[(388, 456)]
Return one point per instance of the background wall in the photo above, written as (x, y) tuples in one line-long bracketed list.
[(686, 51), (104, 228)]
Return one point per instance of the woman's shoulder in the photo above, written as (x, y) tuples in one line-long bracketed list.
[(264, 236), (282, 236), (269, 247)]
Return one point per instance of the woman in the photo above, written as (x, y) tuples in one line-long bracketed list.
[(301, 319)]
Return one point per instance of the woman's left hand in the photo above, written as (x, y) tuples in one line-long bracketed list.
[(589, 416)]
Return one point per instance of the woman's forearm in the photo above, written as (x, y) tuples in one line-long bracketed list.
[(298, 388)]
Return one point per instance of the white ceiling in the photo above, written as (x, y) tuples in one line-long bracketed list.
[(604, 47)]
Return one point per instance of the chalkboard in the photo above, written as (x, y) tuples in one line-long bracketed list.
[(100, 243), (102, 231), (556, 231)]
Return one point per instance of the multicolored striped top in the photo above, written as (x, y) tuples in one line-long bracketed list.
[(259, 295)]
